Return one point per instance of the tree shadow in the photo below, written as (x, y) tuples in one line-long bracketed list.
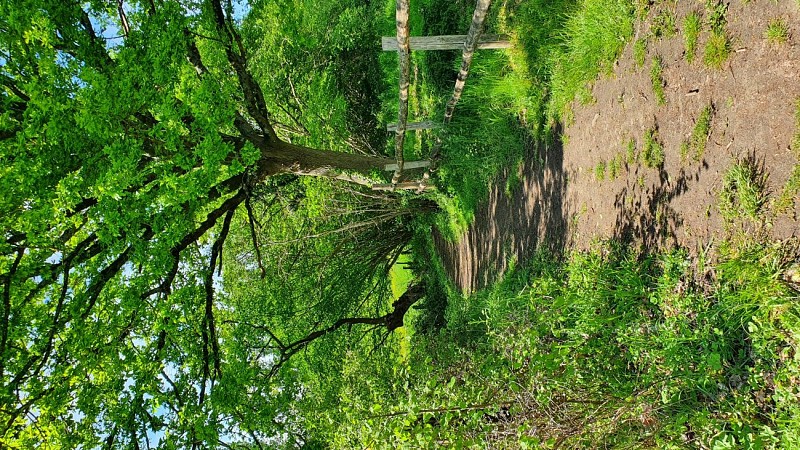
[(645, 215), (526, 211)]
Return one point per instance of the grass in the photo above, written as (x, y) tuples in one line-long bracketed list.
[(718, 46), (657, 80), (691, 31), (615, 166), (600, 171), (743, 191), (639, 52), (777, 32), (699, 137), (717, 50), (631, 157), (790, 192), (593, 38), (663, 25), (652, 150), (642, 344)]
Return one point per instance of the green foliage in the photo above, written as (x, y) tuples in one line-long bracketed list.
[(691, 31), (697, 142), (663, 24), (652, 150), (593, 38), (657, 81), (639, 52), (631, 157), (600, 171), (615, 166), (777, 32), (718, 45), (640, 343), (743, 190), (790, 192)]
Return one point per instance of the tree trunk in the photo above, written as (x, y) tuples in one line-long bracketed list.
[(283, 157)]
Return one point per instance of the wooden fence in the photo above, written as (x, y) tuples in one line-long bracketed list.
[(403, 44)]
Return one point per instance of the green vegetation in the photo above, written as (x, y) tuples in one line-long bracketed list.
[(790, 192), (718, 46), (615, 166), (657, 80), (641, 343), (664, 25), (699, 137), (600, 171), (191, 258), (777, 32), (652, 150), (691, 31), (594, 36), (639, 52), (631, 157), (743, 191)]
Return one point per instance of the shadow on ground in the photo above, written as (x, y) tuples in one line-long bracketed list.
[(516, 220)]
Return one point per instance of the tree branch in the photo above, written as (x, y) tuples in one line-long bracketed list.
[(251, 222)]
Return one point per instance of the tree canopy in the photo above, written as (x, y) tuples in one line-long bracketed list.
[(127, 161)]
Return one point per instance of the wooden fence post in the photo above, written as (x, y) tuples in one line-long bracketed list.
[(401, 15)]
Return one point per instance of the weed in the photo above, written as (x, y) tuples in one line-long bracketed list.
[(777, 32), (642, 8), (743, 190), (639, 52), (615, 166), (684, 151), (600, 171), (715, 13), (790, 192), (652, 150), (657, 80), (717, 50), (630, 152), (718, 47), (691, 31), (700, 133), (663, 25), (796, 138)]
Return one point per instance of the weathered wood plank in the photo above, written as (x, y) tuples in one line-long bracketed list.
[(409, 165), (401, 16), (447, 42), (424, 125)]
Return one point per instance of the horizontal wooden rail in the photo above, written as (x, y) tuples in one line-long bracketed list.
[(447, 42), (425, 125), (409, 165)]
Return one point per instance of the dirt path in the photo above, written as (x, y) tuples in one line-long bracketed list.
[(563, 203)]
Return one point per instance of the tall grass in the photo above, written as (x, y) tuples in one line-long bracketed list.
[(592, 40), (643, 345)]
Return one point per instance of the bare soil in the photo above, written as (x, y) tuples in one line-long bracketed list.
[(562, 204)]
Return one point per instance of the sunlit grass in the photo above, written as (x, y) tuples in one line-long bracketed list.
[(691, 31), (777, 32)]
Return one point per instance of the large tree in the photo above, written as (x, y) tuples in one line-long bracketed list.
[(124, 160)]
